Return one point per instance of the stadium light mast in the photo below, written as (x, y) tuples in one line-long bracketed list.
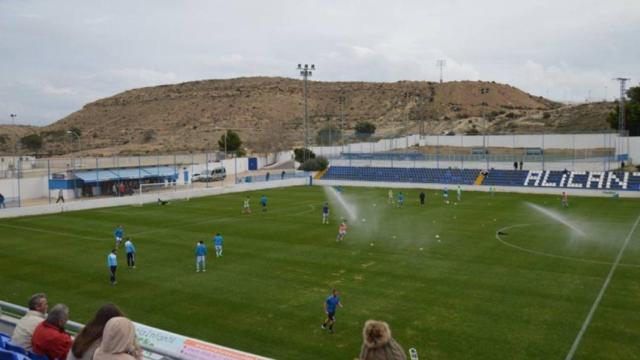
[(75, 177), (623, 82), (306, 71), (483, 92), (342, 99), (441, 63)]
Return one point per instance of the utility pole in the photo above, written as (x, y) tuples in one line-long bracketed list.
[(621, 114), (441, 63), (483, 92), (306, 71), (342, 99), (621, 122)]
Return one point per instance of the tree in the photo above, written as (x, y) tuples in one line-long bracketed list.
[(76, 131), (329, 135), (300, 154), (315, 164), (231, 143), (631, 112), (365, 129), (32, 142)]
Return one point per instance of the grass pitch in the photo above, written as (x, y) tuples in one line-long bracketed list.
[(470, 295)]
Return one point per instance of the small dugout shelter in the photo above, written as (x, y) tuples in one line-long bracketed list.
[(110, 181)]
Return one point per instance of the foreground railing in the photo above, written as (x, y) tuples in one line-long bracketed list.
[(157, 344)]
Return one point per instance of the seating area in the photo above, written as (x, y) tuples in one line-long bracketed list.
[(407, 175), (9, 351), (605, 180), (505, 178)]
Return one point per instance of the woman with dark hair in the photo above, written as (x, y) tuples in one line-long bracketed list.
[(90, 337)]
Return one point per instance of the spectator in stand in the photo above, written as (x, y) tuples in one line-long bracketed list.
[(49, 338), (520, 164), (60, 196), (26, 326), (114, 190), (266, 177), (118, 341), (2, 205), (377, 343), (515, 165), (121, 189), (90, 337)]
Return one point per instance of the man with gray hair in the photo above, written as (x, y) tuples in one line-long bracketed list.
[(26, 326), (49, 338)]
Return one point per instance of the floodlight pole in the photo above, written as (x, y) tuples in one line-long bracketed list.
[(16, 164), (441, 63), (484, 91), (621, 120), (306, 71), (342, 99), (75, 177)]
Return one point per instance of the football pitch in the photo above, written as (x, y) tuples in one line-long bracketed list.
[(489, 277)]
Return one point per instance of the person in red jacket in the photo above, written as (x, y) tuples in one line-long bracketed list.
[(49, 338)]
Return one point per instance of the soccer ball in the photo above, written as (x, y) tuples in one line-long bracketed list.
[(421, 249), (371, 244), (364, 220), (374, 205), (447, 202), (437, 236)]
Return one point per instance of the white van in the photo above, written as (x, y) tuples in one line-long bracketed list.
[(217, 174)]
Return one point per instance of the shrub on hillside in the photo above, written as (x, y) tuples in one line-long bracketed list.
[(316, 164)]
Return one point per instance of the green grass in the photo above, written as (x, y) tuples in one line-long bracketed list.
[(466, 297)]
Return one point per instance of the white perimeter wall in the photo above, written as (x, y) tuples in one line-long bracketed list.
[(147, 198), (483, 188)]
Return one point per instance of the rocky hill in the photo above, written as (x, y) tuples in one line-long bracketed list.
[(267, 112)]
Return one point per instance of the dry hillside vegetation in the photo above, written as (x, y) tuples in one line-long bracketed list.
[(268, 114)]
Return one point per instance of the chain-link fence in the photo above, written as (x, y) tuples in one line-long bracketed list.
[(599, 151)]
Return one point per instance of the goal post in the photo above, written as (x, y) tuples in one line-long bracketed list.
[(163, 192)]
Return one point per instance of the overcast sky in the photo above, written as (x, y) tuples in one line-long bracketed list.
[(55, 56)]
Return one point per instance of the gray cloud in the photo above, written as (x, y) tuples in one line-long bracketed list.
[(57, 56)]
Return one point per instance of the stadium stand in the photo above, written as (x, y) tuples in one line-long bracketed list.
[(596, 180), (410, 175), (505, 178)]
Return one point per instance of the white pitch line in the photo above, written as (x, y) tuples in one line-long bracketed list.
[(587, 321)]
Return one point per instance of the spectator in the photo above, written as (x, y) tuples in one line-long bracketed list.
[(24, 328), (520, 164), (90, 337), (282, 174), (378, 343), (118, 341), (267, 176), (515, 165), (49, 338), (2, 205), (60, 196), (121, 189)]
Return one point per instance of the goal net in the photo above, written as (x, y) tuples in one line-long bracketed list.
[(163, 193)]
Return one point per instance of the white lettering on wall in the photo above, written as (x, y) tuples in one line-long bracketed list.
[(564, 178), (548, 184), (622, 183), (533, 175), (570, 183), (595, 176)]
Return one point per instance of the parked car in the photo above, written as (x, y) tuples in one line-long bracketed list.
[(217, 174)]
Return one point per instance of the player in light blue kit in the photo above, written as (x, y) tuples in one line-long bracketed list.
[(217, 241), (118, 234), (400, 199), (263, 202), (330, 306), (201, 256)]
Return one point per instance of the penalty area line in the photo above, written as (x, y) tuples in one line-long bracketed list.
[(596, 303)]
